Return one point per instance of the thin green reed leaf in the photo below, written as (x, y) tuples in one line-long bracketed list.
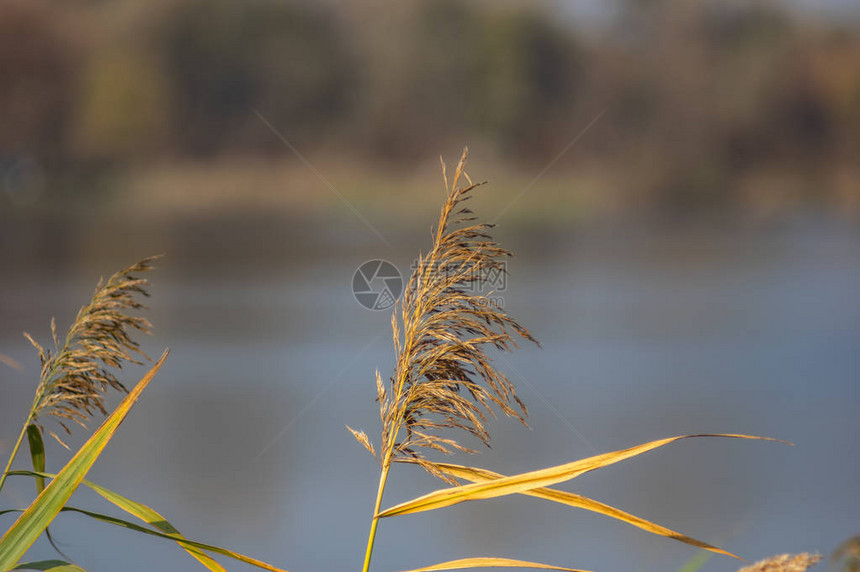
[(153, 518), (37, 454), (695, 563), (42, 511), (50, 566), (37, 458), (191, 543), (141, 511)]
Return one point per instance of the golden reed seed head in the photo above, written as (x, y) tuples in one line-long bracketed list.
[(76, 374), (784, 563), (848, 555), (443, 378)]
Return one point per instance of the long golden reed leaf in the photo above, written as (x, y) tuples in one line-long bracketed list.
[(489, 562), (476, 475), (535, 479)]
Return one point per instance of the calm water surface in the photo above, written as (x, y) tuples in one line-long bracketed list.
[(240, 440)]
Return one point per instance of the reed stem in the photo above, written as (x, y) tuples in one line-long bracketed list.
[(15, 450), (369, 552)]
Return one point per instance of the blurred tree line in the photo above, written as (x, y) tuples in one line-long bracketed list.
[(704, 100)]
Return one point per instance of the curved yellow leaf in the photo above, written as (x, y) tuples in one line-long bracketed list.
[(578, 501), (535, 479), (488, 562)]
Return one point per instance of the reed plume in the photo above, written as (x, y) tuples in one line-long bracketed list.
[(443, 377), (76, 375), (784, 563), (848, 555)]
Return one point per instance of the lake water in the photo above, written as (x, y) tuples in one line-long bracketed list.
[(240, 440)]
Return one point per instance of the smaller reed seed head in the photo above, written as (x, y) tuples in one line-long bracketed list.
[(76, 374), (784, 563)]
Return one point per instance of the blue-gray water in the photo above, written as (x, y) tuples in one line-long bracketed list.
[(240, 440)]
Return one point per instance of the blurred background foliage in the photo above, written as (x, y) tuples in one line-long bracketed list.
[(679, 180), (710, 106)]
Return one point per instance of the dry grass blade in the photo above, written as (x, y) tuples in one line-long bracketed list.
[(535, 479), (444, 378), (76, 374), (578, 501), (488, 562), (784, 563)]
